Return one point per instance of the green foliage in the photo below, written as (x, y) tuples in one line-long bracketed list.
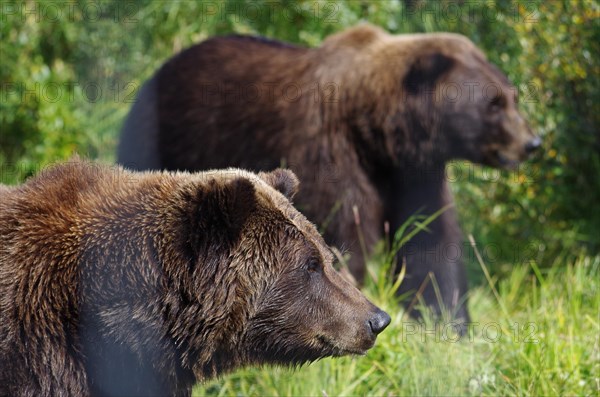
[(70, 71)]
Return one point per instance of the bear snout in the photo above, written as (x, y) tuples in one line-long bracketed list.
[(379, 321), (533, 145)]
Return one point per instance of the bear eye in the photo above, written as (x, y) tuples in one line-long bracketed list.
[(313, 265), (497, 103)]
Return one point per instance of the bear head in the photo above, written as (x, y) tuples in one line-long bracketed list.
[(272, 272), (425, 99)]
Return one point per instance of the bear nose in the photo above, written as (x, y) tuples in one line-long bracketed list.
[(379, 321), (533, 145)]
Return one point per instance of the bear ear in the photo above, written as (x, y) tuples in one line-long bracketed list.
[(223, 209), (282, 180), (425, 71)]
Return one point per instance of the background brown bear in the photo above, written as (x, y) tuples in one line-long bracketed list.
[(121, 283), (368, 120)]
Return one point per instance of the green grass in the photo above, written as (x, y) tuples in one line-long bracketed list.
[(536, 334)]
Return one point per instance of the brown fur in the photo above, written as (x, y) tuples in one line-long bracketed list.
[(372, 127), (4, 189), (114, 282)]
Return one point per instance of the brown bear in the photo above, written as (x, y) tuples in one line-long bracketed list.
[(367, 121), (122, 283)]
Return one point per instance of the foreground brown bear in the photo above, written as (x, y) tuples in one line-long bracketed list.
[(368, 120), (120, 283)]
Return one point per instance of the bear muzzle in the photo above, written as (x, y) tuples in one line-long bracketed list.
[(533, 145), (510, 156), (357, 337), (373, 326), (516, 142)]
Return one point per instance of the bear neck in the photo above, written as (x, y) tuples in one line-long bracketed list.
[(400, 143), (389, 127)]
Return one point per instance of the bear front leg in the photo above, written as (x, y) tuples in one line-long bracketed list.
[(434, 258)]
